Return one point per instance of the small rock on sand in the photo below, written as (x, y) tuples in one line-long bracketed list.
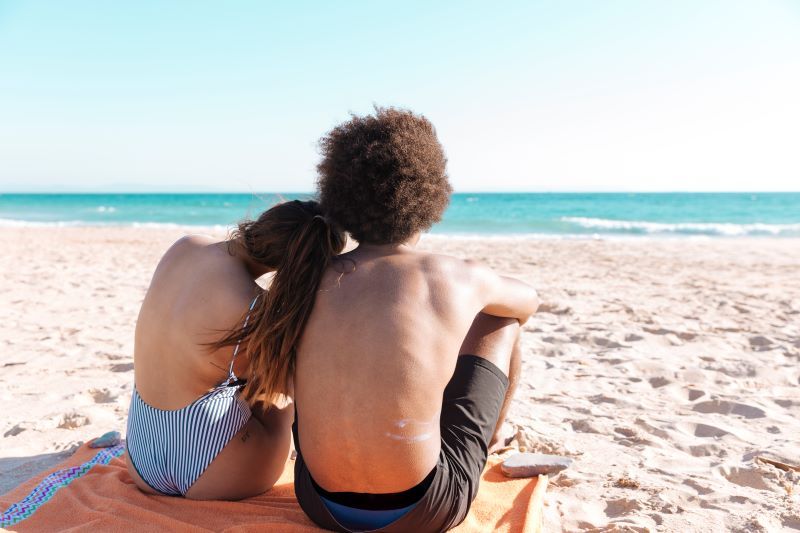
[(106, 440), (534, 464)]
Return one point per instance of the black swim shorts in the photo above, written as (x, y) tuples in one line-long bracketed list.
[(470, 408)]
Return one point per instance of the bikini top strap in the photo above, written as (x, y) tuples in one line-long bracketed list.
[(231, 376)]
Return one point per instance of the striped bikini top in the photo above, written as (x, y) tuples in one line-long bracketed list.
[(170, 449)]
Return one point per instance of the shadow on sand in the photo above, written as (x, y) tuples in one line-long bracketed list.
[(16, 470)]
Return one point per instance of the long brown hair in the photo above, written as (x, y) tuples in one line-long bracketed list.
[(298, 242)]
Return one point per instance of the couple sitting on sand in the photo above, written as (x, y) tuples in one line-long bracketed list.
[(392, 368)]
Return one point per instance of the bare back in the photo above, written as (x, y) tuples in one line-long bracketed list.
[(198, 292), (376, 354)]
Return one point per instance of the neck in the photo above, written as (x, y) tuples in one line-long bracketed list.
[(255, 268), (390, 248)]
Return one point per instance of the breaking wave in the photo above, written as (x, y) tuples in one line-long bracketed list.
[(684, 228)]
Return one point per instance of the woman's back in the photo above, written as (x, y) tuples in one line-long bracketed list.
[(190, 431), (198, 292)]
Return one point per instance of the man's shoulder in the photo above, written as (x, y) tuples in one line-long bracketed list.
[(449, 266)]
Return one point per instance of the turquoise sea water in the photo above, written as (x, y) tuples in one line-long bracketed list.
[(544, 214)]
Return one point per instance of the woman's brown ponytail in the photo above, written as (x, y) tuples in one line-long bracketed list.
[(298, 242)]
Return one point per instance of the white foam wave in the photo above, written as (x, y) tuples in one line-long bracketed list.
[(14, 223), (171, 225), (599, 228), (527, 237), (702, 228), (446, 237)]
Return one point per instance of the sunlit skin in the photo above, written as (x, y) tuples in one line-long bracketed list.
[(200, 290), (381, 344)]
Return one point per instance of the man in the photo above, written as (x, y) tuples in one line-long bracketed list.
[(408, 361)]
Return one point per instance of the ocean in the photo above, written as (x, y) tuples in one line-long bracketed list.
[(469, 214)]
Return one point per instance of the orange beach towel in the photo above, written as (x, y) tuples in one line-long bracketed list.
[(92, 491)]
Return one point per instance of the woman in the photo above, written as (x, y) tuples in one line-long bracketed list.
[(197, 426)]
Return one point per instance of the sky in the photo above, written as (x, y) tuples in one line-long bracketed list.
[(194, 96)]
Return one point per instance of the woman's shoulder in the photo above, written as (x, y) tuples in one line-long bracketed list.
[(199, 286), (199, 270), (190, 253), (190, 243)]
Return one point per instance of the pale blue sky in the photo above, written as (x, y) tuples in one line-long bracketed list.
[(526, 96)]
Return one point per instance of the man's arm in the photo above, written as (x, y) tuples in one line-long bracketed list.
[(503, 296)]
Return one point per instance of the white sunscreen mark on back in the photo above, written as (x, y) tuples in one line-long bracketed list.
[(414, 438), (410, 430)]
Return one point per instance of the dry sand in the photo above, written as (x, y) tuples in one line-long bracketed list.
[(664, 368)]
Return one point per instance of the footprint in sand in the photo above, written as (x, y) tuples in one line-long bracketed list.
[(615, 508), (627, 436), (704, 431), (760, 343), (708, 450), (583, 426), (72, 421), (658, 382), (682, 335), (628, 432), (652, 430), (791, 521), (69, 447), (102, 396), (701, 489), (554, 308), (607, 343), (602, 398), (122, 367), (16, 430), (694, 394), (744, 476), (729, 408)]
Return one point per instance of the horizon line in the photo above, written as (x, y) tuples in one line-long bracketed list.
[(187, 193)]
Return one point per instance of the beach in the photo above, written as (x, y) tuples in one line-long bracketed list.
[(666, 368)]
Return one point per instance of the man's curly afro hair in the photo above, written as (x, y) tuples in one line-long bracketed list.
[(382, 177)]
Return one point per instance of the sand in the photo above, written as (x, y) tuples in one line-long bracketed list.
[(664, 368)]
